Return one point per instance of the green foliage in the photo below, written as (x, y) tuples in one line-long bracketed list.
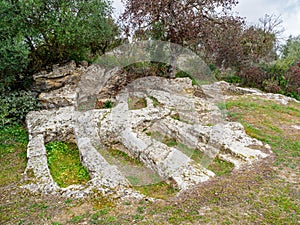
[(155, 101), (35, 34), (15, 106), (291, 50), (280, 76), (184, 74), (66, 30), (13, 51), (108, 104), (229, 76), (64, 164), (123, 156), (103, 105)]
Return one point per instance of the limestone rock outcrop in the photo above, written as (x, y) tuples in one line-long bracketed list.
[(57, 88), (145, 112)]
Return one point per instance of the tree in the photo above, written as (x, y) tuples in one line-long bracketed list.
[(185, 22), (13, 52), (42, 32), (291, 49), (180, 22)]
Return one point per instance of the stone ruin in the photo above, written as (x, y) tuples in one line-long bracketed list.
[(172, 108)]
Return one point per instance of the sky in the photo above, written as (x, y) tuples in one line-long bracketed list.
[(289, 10), (252, 10)]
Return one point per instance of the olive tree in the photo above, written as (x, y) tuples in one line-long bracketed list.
[(38, 33)]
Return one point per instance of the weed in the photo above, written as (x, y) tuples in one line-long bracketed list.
[(123, 156), (181, 74), (103, 105), (133, 180), (155, 101), (176, 117), (77, 219)]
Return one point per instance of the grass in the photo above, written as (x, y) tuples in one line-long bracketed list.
[(65, 165), (135, 172), (13, 143), (221, 167), (176, 117), (182, 74), (113, 155), (161, 190), (104, 105)]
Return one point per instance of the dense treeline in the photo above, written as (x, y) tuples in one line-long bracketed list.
[(36, 34)]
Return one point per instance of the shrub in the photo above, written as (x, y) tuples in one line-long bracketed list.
[(253, 76), (272, 86), (15, 106), (293, 81), (230, 76)]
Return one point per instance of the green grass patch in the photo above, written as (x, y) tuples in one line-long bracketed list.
[(64, 164), (218, 166), (135, 172), (108, 104), (221, 167), (176, 117), (13, 146), (161, 190), (120, 156)]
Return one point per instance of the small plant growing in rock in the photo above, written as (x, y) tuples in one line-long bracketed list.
[(104, 105), (176, 117), (108, 104), (136, 103), (155, 101)]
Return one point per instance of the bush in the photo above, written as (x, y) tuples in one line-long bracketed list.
[(272, 86), (293, 81), (281, 76), (228, 75), (253, 76), (15, 106)]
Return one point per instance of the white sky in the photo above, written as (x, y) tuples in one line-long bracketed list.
[(289, 10)]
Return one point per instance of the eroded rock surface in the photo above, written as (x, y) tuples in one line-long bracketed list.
[(170, 108)]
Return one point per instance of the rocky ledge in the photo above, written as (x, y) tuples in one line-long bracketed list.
[(144, 113)]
